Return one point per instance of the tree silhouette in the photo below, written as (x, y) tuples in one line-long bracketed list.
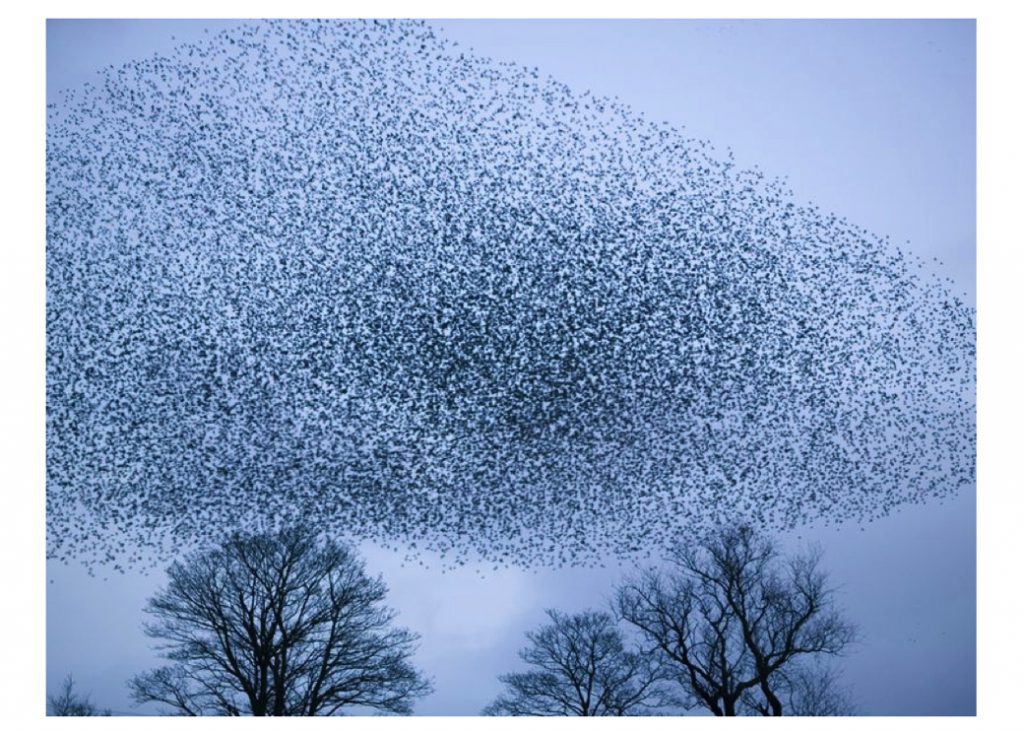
[(811, 690), (67, 702), (580, 667), (277, 624), (733, 618)]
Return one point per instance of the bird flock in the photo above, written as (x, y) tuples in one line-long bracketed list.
[(347, 274)]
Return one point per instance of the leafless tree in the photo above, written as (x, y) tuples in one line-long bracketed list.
[(277, 624), (812, 690), (732, 617), (581, 667), (67, 702)]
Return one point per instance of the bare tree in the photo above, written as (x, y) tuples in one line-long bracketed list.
[(581, 667), (67, 702), (277, 624), (733, 617), (812, 690)]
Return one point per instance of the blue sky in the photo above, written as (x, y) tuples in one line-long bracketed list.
[(874, 120)]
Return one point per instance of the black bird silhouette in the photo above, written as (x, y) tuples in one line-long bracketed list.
[(339, 272)]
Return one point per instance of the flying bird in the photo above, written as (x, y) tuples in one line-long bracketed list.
[(341, 273)]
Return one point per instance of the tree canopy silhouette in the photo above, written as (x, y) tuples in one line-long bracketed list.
[(811, 690), (280, 623), (733, 619), (69, 703), (580, 666)]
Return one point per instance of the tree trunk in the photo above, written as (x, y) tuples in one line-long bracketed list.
[(773, 701), (730, 706)]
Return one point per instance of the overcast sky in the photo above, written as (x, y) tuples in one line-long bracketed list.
[(873, 120)]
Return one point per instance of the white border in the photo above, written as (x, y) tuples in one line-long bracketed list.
[(999, 278)]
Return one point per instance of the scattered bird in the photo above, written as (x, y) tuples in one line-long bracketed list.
[(337, 272)]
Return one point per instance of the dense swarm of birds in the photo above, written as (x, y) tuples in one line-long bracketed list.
[(341, 272)]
